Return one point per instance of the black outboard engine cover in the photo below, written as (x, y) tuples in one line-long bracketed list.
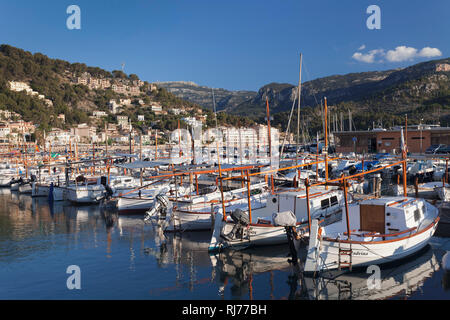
[(240, 217), (108, 189), (242, 220)]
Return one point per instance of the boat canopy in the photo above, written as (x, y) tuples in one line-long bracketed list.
[(143, 164)]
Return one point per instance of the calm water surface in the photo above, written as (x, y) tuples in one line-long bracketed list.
[(124, 258)]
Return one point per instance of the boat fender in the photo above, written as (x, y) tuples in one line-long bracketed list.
[(446, 261)]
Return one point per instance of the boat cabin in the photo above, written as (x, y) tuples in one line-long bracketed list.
[(322, 203), (380, 216)]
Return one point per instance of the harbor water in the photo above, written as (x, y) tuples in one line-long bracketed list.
[(121, 257)]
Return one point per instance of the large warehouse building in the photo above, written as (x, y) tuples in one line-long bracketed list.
[(419, 138)]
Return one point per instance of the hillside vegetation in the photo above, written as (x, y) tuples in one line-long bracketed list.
[(53, 79)]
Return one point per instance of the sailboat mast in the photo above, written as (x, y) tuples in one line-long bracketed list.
[(224, 214), (326, 142), (298, 109), (268, 130)]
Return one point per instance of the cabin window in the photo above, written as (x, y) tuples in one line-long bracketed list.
[(325, 203), (417, 214), (334, 200)]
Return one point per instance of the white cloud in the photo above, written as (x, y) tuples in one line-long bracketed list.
[(363, 57), (368, 57), (428, 52), (362, 47), (399, 54)]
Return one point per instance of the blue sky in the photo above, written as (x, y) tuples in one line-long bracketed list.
[(233, 44)]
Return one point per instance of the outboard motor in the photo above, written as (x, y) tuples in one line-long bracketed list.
[(108, 189), (288, 220), (160, 207), (241, 220)]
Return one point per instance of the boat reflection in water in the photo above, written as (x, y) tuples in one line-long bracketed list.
[(236, 269), (39, 240), (399, 281)]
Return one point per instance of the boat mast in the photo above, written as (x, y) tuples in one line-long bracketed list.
[(224, 215), (298, 110), (405, 156), (106, 140), (268, 130), (156, 144), (326, 143)]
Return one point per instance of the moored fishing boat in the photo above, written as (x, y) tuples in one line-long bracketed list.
[(374, 231), (239, 230), (198, 212)]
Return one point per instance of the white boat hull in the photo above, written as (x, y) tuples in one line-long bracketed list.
[(25, 188), (5, 182), (59, 193), (39, 190), (84, 195), (330, 248), (443, 193), (373, 253), (199, 217), (133, 205)]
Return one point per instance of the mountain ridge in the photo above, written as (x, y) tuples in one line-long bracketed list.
[(415, 86)]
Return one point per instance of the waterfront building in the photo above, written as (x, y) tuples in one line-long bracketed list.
[(419, 138)]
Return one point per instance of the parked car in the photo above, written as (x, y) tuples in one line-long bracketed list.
[(435, 148), (313, 147), (443, 150)]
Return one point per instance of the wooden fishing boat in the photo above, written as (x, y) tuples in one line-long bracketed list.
[(260, 229), (371, 232), (198, 212)]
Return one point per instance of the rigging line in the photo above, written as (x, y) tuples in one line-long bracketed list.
[(288, 125), (309, 77)]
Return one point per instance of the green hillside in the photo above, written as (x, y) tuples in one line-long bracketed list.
[(53, 79)]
